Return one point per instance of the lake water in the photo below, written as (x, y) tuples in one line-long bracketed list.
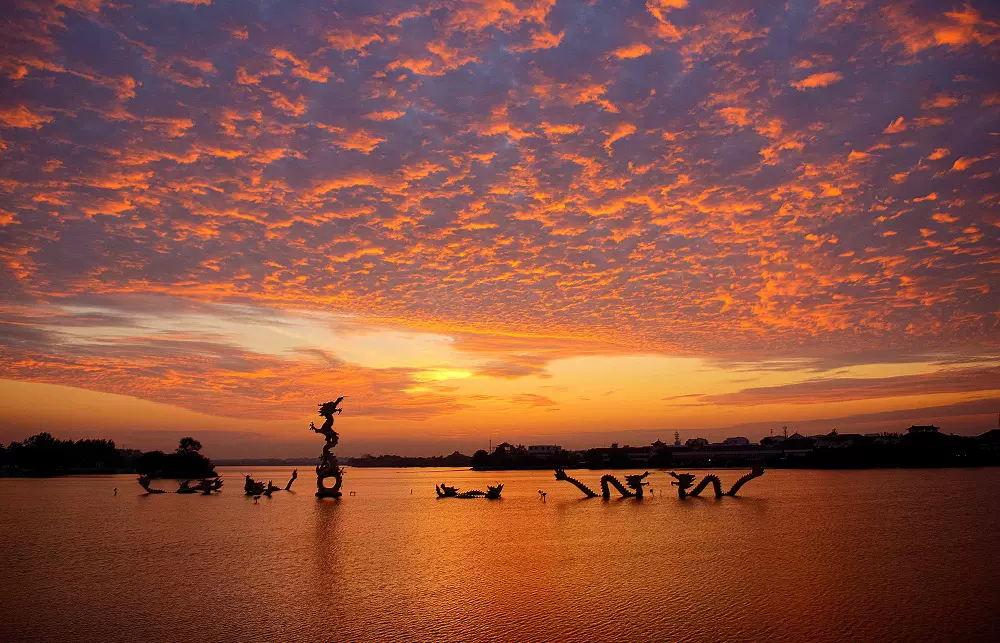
[(894, 555)]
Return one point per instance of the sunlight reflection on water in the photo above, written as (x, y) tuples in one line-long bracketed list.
[(803, 555)]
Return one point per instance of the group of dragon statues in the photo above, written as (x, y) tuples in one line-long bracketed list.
[(328, 467), (205, 486), (633, 487)]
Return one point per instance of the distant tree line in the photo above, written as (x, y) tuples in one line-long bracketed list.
[(507, 456), (921, 446), (456, 459), (889, 450), (45, 455), (184, 462)]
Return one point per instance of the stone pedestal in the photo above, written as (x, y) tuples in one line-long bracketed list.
[(324, 471)]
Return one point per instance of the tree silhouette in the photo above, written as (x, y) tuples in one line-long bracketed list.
[(184, 462), (188, 445)]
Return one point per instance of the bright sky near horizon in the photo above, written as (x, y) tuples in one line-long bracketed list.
[(536, 221)]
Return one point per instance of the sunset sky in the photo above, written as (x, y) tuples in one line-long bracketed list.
[(540, 221)]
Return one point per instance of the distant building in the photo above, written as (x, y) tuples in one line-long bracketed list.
[(835, 440), (883, 438), (504, 448), (620, 456), (696, 443), (544, 450), (990, 442), (724, 455), (922, 429), (738, 441), (639, 454), (796, 445)]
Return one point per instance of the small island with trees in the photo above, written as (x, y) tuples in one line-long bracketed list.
[(43, 455)]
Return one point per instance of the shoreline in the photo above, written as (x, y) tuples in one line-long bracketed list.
[(65, 474)]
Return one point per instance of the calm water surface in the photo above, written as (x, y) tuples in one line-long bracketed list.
[(898, 555)]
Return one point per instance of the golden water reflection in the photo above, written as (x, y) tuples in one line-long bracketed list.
[(803, 555)]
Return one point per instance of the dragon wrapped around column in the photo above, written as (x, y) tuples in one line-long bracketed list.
[(328, 466), (684, 482)]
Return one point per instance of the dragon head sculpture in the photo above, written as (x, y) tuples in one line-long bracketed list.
[(444, 491), (327, 409), (683, 480), (144, 481), (636, 482)]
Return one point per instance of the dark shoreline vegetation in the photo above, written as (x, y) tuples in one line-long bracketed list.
[(919, 447), (42, 455)]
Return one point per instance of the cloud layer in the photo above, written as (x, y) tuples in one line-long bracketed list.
[(723, 180)]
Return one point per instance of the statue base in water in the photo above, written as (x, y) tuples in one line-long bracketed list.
[(328, 467)]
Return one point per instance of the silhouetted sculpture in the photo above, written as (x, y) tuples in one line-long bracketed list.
[(328, 467), (631, 489), (144, 482), (256, 489), (205, 486), (491, 493), (251, 487), (209, 485), (684, 481), (444, 491)]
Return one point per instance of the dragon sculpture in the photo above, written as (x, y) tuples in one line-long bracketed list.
[(491, 493), (328, 466), (631, 489), (205, 486), (252, 487), (684, 482), (145, 482)]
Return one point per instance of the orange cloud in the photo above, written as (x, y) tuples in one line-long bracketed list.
[(22, 117), (385, 115), (346, 40), (300, 67), (736, 116), (963, 163), (539, 40), (622, 130), (659, 10), (955, 29), (942, 101), (824, 79), (895, 127), (635, 50)]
